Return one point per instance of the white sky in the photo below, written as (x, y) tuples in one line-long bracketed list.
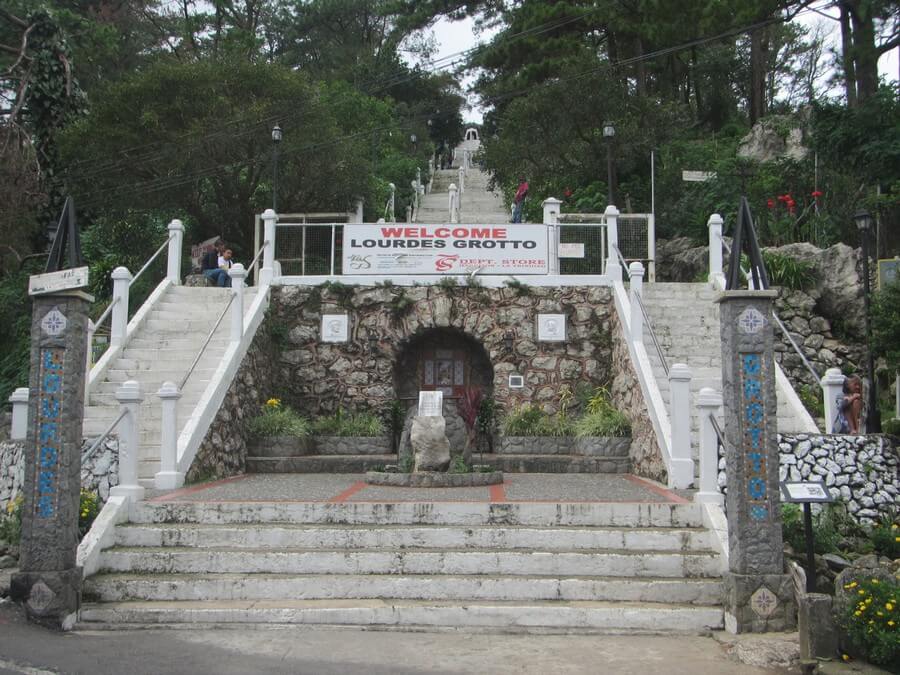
[(456, 36)]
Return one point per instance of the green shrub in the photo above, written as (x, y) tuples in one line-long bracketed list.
[(88, 509), (886, 538), (352, 424), (11, 522), (811, 398), (871, 619), (278, 420), (529, 420), (829, 526), (458, 465), (603, 423), (785, 271), (891, 426)]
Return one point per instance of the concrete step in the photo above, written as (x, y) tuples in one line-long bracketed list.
[(593, 616), (599, 562), (154, 378), (534, 514), (219, 587), (556, 463), (319, 463), (267, 536)]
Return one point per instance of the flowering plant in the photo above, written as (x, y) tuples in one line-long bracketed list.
[(871, 617)]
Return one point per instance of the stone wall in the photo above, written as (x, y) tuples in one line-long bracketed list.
[(316, 378), (223, 451), (625, 392)]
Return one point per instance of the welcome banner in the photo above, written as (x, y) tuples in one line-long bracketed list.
[(445, 249)]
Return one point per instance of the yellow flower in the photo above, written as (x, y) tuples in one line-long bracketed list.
[(868, 601), (846, 657), (852, 584), (894, 526), (862, 592), (889, 607), (891, 623), (896, 538), (273, 403), (875, 581), (857, 613)]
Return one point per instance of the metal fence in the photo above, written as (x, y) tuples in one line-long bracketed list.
[(592, 240), (636, 234), (308, 244)]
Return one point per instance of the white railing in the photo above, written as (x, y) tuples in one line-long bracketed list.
[(453, 204), (635, 236), (389, 215)]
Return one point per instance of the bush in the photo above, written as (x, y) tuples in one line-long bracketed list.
[(891, 426), (88, 509), (352, 424), (11, 523), (829, 526), (529, 420), (871, 619), (603, 423), (811, 398), (788, 272), (886, 538), (458, 465), (278, 420)]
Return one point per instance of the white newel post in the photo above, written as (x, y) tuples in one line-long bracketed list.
[(636, 274), (119, 321), (709, 401), (551, 220), (393, 189), (168, 477), (19, 400), (409, 211), (237, 274), (454, 203), (681, 473), (716, 275), (129, 398), (176, 241), (267, 272), (832, 386), (613, 268), (462, 180)]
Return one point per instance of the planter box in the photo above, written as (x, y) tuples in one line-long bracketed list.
[(602, 446), (352, 445), (279, 446), (534, 445)]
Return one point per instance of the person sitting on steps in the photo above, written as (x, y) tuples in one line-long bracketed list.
[(849, 407), (220, 275)]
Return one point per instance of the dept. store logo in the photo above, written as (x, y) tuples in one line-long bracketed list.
[(445, 262)]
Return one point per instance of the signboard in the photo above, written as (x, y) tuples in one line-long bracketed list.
[(697, 176), (52, 282), (571, 250), (445, 249), (887, 271), (431, 404), (805, 492)]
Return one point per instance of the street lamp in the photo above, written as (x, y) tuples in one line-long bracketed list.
[(873, 418), (276, 140), (609, 132)]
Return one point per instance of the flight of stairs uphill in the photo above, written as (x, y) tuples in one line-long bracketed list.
[(685, 319), (588, 566), (162, 349)]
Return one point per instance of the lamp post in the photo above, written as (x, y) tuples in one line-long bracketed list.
[(276, 141), (609, 132), (415, 143), (873, 417)]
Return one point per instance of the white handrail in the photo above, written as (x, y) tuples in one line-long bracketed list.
[(257, 256), (206, 342), (152, 258)]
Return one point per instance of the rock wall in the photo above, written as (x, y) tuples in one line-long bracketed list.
[(861, 471), (223, 451), (625, 393), (317, 378)]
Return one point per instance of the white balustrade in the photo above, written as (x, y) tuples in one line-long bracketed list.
[(551, 219), (119, 321), (709, 402), (613, 268), (462, 180), (237, 274), (169, 477), (682, 467), (19, 400), (636, 274), (716, 275), (832, 387), (454, 203), (270, 218), (176, 241), (129, 397), (390, 209)]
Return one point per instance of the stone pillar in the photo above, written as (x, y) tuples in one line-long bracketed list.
[(19, 400), (708, 402), (49, 582), (636, 274), (118, 326), (237, 274), (168, 477), (759, 596), (454, 203), (681, 470), (716, 274), (613, 268), (462, 180), (176, 240), (129, 397), (832, 387), (551, 218), (268, 262)]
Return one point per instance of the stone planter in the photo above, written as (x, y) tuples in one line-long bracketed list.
[(534, 445), (352, 445), (279, 446), (434, 479), (602, 446)]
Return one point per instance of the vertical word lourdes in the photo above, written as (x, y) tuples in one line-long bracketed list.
[(49, 439), (754, 411)]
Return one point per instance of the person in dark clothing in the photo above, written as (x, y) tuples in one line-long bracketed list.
[(210, 259)]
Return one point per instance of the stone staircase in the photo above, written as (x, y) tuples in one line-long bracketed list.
[(686, 322), (589, 566), (161, 350)]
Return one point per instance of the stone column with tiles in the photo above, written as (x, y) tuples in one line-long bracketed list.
[(759, 595)]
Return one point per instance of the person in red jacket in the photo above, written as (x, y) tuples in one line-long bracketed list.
[(519, 199)]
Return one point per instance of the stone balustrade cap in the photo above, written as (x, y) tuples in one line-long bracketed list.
[(121, 273), (176, 225), (169, 390), (269, 214), (709, 397), (833, 376), (129, 392), (715, 219), (19, 395), (636, 268), (237, 270), (551, 201), (453, 187), (680, 371), (611, 210)]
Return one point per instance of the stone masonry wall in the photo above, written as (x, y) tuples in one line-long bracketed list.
[(317, 378), (625, 392)]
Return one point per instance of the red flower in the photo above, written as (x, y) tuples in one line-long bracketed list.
[(783, 198), (567, 192), (816, 194), (770, 203)]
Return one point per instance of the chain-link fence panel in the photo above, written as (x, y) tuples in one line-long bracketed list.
[(308, 249), (593, 240)]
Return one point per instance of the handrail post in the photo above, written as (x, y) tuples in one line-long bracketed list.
[(168, 477), (613, 268), (393, 189), (636, 274), (709, 401), (454, 203), (551, 219), (462, 180), (176, 240), (716, 275), (832, 387), (409, 211), (129, 397), (19, 400), (268, 269), (681, 471), (237, 274), (119, 321)]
